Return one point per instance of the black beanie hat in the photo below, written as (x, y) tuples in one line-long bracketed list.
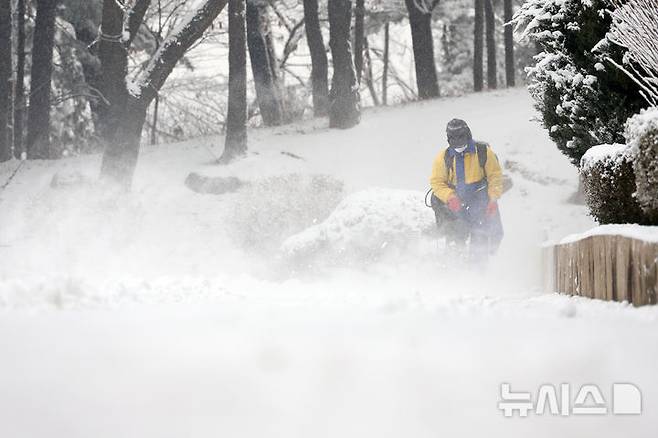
[(459, 134)]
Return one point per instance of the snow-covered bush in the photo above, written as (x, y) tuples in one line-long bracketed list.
[(584, 100), (609, 184), (270, 210), (642, 137), (364, 227), (635, 28)]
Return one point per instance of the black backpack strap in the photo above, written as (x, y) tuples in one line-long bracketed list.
[(482, 153)]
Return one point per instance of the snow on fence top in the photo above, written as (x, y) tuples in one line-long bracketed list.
[(647, 234), (604, 152)]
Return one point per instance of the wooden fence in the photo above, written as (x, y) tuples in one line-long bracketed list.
[(613, 268)]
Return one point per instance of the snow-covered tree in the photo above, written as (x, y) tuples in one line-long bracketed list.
[(130, 99), (635, 28), (583, 99)]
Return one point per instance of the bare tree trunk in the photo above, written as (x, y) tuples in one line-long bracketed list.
[(359, 16), (385, 73), (38, 122), (345, 105), (275, 72), (319, 63), (236, 118), (121, 117), (423, 46), (492, 66), (510, 70), (5, 79), (114, 69), (478, 46), (263, 65), (120, 157), (19, 91)]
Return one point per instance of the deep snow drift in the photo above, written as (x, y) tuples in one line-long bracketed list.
[(169, 313)]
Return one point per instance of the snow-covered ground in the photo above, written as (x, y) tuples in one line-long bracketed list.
[(167, 313)]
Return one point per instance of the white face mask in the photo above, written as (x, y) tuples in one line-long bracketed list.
[(461, 149)]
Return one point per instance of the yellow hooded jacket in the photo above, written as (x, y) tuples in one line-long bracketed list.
[(443, 181)]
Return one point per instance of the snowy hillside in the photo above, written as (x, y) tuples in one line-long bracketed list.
[(169, 313)]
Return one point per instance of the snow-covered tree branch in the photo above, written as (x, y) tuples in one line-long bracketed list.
[(635, 27), (174, 47)]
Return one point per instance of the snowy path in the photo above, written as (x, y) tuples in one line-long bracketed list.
[(153, 315)]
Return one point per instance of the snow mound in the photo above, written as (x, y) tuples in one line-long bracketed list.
[(364, 226)]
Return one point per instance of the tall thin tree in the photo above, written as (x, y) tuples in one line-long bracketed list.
[(345, 102), (38, 119), (5, 79), (369, 78), (510, 70), (359, 36), (385, 70), (478, 46), (492, 66), (19, 87), (420, 21), (236, 117), (319, 63), (263, 63)]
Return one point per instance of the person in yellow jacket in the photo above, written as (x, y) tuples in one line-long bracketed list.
[(467, 182)]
